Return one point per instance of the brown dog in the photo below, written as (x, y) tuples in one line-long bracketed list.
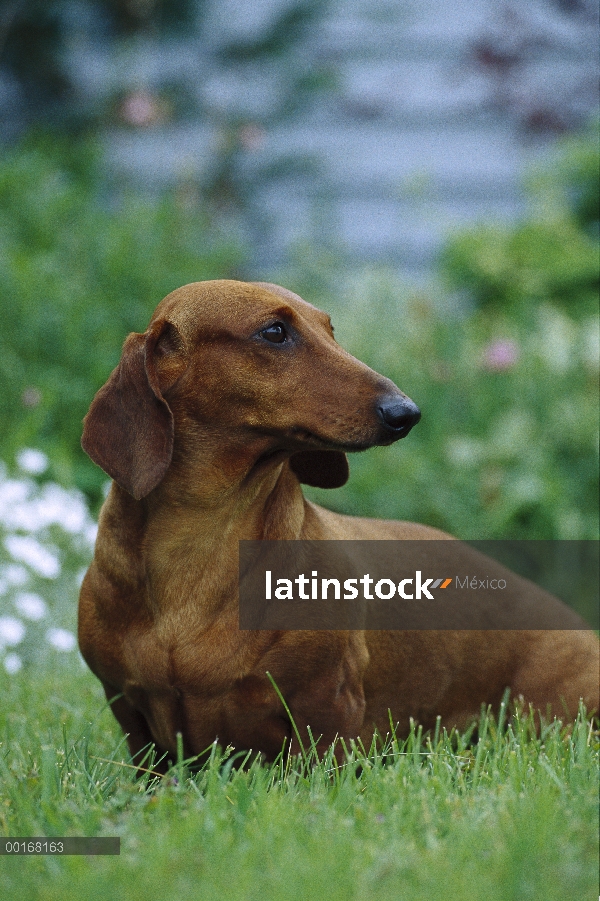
[(234, 395)]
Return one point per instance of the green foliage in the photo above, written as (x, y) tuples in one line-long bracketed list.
[(32, 47), (550, 255), (577, 178), (506, 266), (507, 443), (79, 270), (512, 816), (290, 23), (506, 446)]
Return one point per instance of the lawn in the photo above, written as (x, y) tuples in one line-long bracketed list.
[(513, 816)]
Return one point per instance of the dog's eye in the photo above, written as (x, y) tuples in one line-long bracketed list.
[(275, 333)]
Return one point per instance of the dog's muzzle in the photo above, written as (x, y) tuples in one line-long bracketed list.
[(398, 415)]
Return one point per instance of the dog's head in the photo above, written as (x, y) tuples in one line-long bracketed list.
[(245, 374)]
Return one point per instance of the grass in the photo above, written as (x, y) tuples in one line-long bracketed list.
[(513, 816)]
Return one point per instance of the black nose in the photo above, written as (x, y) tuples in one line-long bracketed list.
[(399, 415)]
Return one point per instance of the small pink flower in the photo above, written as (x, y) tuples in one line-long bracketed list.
[(140, 109), (500, 355)]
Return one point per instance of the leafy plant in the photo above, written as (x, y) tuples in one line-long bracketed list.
[(552, 254)]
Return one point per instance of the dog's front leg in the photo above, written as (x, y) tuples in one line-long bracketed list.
[(135, 727), (320, 677)]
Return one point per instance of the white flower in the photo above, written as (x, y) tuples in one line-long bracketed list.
[(14, 574), (30, 605), (61, 639), (66, 508), (33, 461), (31, 552), (91, 533), (13, 494), (53, 505), (12, 664), (12, 631)]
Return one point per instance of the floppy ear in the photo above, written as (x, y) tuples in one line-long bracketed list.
[(321, 469), (129, 430)]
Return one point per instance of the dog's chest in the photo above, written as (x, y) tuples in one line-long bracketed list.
[(174, 654), (183, 679)]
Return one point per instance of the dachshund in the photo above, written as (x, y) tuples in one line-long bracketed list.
[(235, 395)]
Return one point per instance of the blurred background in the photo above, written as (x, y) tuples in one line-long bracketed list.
[(427, 172)]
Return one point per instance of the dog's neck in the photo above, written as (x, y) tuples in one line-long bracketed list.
[(187, 532), (208, 502)]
